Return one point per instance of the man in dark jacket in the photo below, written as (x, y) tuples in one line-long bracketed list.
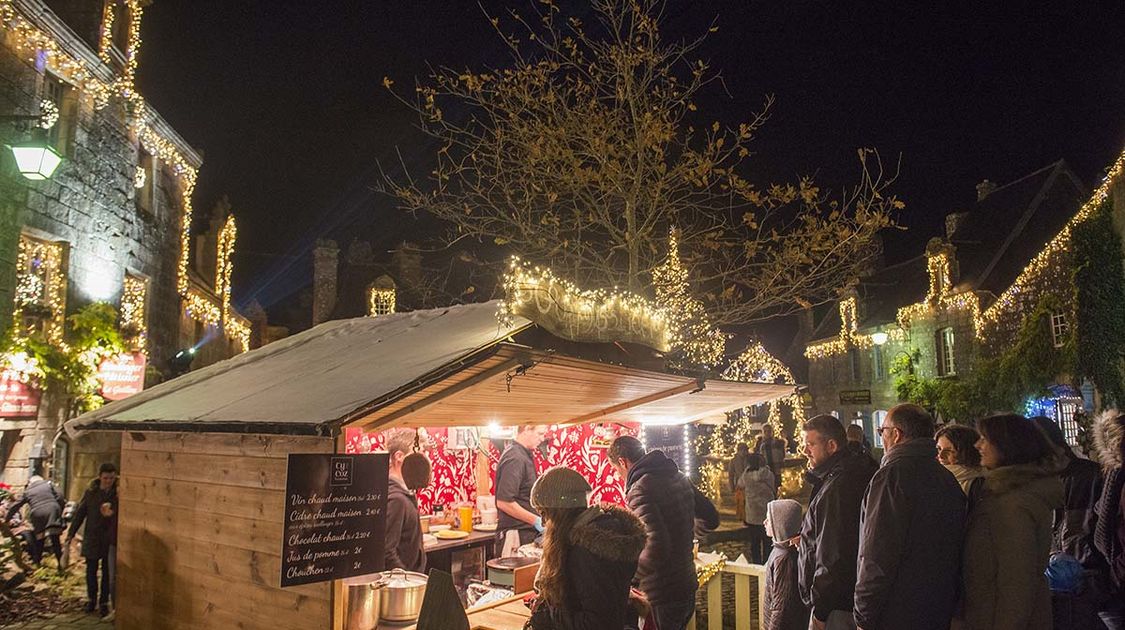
[(403, 548), (515, 475), (912, 529), (830, 532), (98, 510), (1073, 529), (668, 504)]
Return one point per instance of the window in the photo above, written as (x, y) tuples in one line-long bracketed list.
[(877, 418), (944, 343), (1059, 328), (121, 23), (134, 319), (63, 95), (878, 368), (853, 363), (41, 287), (144, 181)]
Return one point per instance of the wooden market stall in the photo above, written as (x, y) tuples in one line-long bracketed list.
[(203, 457)]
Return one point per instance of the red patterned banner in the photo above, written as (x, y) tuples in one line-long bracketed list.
[(582, 448)]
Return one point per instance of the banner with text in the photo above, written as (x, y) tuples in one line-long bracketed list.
[(335, 517)]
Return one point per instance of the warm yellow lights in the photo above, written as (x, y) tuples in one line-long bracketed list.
[(134, 299), (849, 335), (41, 287), (757, 365), (689, 328), (380, 301), (597, 316)]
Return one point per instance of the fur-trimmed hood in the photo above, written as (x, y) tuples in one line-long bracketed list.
[(1108, 432), (609, 532), (1040, 480)]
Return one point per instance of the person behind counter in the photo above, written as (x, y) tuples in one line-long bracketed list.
[(589, 558), (515, 476), (403, 549)]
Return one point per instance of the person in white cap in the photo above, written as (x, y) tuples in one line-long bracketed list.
[(589, 557)]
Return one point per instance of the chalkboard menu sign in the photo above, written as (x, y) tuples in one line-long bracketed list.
[(667, 438), (335, 517)]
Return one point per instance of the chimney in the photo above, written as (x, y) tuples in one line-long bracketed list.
[(326, 258), (259, 321), (954, 220), (985, 188)]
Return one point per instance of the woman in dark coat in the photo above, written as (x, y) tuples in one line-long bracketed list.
[(589, 558), (1008, 539), (1109, 533), (45, 506)]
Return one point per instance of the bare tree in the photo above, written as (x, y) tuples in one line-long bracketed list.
[(584, 152)]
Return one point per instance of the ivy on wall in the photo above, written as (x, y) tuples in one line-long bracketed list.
[(1099, 283), (1001, 383)]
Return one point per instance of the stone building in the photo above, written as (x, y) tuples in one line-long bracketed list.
[(113, 223), (963, 298)]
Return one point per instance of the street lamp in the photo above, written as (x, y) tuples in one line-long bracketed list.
[(879, 338), (36, 159)]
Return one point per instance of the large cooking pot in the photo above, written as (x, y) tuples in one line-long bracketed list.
[(364, 595), (402, 595)]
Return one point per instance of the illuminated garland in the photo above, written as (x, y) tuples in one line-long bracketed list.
[(224, 266), (380, 301), (134, 298), (689, 328), (1043, 260), (41, 283), (757, 365), (202, 308), (849, 335), (563, 309), (704, 573), (940, 295)]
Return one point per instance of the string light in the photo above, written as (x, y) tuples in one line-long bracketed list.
[(687, 449), (1046, 259), (704, 573), (48, 113), (41, 284), (134, 298), (380, 301), (689, 328), (558, 305), (140, 176), (757, 365), (849, 335)]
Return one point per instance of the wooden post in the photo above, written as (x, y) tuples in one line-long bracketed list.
[(715, 603), (742, 601)]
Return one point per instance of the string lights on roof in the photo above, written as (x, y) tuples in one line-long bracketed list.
[(595, 315), (134, 298)]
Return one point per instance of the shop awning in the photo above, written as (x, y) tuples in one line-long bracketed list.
[(519, 385), (443, 367)]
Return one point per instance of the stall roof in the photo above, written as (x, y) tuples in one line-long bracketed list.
[(454, 366)]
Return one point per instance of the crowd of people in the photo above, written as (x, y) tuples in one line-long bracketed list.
[(994, 528)]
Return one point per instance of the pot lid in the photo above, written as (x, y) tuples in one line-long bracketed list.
[(397, 578), (514, 562)]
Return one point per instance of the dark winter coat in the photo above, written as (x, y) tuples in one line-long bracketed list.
[(403, 548), (1073, 530), (605, 543), (783, 608), (830, 533), (912, 529), (45, 506), (101, 531), (1109, 533), (664, 500), (1007, 545)]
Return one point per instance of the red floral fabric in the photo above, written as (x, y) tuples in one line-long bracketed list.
[(581, 447)]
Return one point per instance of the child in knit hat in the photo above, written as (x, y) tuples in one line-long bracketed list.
[(783, 609)]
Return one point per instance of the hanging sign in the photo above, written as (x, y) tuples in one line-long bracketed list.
[(335, 517), (17, 399), (855, 397), (122, 376)]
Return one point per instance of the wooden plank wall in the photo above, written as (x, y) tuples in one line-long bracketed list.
[(200, 532)]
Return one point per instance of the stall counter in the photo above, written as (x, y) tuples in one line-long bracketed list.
[(508, 614)]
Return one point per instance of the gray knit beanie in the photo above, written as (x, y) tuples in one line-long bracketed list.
[(785, 519), (561, 487)]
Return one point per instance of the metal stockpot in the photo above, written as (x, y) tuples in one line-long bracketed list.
[(364, 597), (401, 599)]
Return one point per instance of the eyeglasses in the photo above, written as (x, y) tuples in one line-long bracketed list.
[(883, 430)]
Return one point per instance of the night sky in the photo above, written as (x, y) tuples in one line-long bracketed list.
[(285, 100)]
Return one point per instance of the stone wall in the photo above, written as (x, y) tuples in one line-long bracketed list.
[(90, 204)]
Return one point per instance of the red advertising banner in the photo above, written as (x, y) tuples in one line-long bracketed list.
[(17, 399), (122, 376)]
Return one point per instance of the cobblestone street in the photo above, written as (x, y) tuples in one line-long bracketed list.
[(62, 622)]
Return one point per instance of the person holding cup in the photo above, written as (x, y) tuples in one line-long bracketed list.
[(98, 511)]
